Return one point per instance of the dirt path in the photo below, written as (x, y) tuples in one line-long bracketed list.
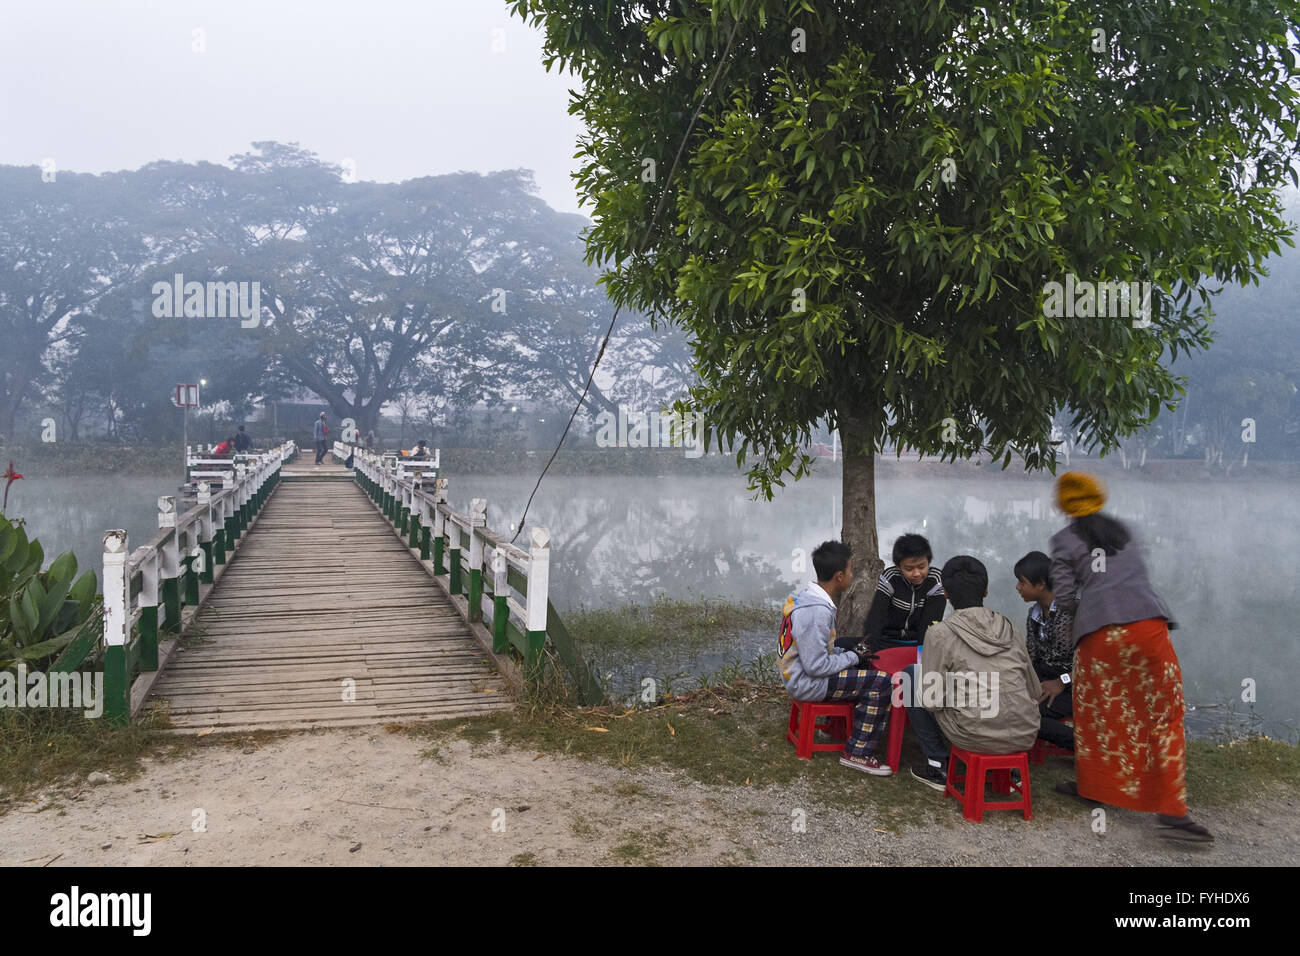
[(346, 797)]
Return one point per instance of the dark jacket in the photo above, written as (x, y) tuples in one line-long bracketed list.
[(1120, 594), (242, 441), (1050, 638), (900, 614)]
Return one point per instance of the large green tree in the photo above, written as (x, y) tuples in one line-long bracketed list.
[(875, 194), (66, 241)]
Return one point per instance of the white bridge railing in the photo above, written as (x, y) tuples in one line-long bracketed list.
[(145, 591), (460, 551)]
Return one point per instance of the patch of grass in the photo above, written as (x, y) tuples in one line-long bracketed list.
[(666, 620), (524, 859), (58, 748), (645, 847), (733, 734), (582, 829), (50, 747), (1228, 773)]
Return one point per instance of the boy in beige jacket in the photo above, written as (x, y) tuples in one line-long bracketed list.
[(975, 687)]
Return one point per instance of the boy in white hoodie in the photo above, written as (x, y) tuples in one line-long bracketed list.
[(810, 669)]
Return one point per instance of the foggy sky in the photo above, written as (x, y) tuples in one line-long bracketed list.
[(404, 88)]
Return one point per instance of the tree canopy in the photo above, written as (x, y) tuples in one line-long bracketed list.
[(875, 196)]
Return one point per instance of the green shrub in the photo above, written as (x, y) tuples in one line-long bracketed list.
[(41, 612)]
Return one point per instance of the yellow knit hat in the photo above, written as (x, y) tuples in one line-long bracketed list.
[(1079, 494)]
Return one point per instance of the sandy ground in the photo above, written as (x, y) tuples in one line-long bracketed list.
[(366, 798)]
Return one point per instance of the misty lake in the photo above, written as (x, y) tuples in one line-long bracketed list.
[(1221, 554)]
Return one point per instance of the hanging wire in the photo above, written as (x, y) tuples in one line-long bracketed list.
[(645, 241)]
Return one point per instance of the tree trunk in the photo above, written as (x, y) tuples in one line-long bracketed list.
[(859, 530)]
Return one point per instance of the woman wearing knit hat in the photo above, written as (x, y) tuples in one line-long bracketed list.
[(1128, 688)]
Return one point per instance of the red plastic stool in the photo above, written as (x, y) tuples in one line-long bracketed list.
[(998, 767), (897, 724), (1042, 749), (892, 661), (804, 716)]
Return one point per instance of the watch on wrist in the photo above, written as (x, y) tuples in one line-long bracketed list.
[(1064, 679)]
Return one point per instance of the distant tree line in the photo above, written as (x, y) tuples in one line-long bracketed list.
[(450, 303), (428, 298)]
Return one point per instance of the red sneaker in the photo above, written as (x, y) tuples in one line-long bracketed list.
[(868, 765)]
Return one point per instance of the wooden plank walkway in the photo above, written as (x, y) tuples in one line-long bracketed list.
[(323, 591), (305, 467)]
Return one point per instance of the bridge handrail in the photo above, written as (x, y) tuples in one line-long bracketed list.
[(425, 520), (145, 590)]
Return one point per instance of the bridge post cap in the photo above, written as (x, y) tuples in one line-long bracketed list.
[(541, 537), (478, 507), (166, 504), (205, 491), (240, 470), (115, 541)]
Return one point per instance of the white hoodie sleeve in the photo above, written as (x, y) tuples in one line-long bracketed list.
[(812, 624)]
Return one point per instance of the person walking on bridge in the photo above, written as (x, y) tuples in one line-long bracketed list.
[(321, 430)]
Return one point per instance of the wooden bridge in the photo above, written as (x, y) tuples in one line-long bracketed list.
[(301, 595)]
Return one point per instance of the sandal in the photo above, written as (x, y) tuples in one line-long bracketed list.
[(1187, 830)]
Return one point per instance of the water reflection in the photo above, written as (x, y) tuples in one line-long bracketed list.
[(1219, 553)]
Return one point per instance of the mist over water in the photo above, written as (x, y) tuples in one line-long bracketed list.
[(1216, 553)]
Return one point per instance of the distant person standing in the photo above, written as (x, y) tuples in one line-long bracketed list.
[(370, 440), (1129, 747), (319, 434), (242, 441)]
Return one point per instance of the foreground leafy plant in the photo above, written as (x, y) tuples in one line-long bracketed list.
[(41, 612)]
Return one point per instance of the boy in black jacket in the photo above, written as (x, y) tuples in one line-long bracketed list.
[(909, 598)]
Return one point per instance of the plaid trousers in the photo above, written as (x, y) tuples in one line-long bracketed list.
[(871, 690)]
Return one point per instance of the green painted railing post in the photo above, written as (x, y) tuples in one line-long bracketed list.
[(417, 508), (477, 520), (241, 475), (117, 603), (232, 515), (453, 556), (390, 488), (205, 532), (424, 542), (169, 572), (439, 525), (147, 601), (539, 572), (228, 522), (219, 534), (191, 577), (404, 505), (500, 601)]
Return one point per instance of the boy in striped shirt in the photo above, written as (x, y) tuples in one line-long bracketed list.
[(909, 598)]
